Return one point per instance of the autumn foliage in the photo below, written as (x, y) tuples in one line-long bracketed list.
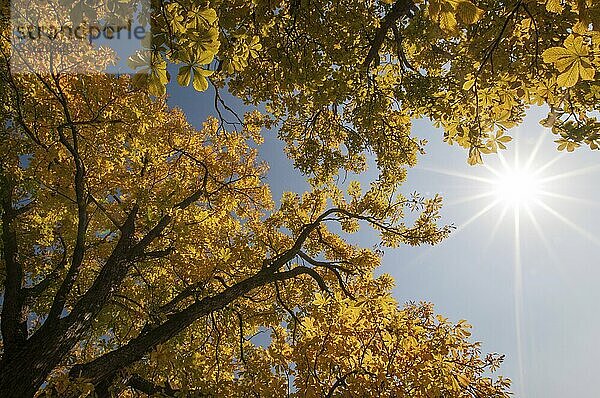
[(145, 256)]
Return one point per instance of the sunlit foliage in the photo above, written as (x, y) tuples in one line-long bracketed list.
[(140, 256), (348, 77)]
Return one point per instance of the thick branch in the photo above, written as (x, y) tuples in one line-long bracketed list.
[(331, 267), (149, 388), (110, 275), (82, 216), (61, 334), (133, 351), (108, 364), (400, 9), (185, 293), (340, 381), (14, 323)]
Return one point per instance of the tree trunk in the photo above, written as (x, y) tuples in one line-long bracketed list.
[(22, 374), (24, 371)]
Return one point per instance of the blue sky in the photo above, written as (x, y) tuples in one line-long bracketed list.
[(473, 274)]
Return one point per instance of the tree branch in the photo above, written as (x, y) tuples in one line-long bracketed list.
[(82, 216), (133, 351), (29, 293), (340, 381), (400, 9), (106, 365), (331, 267), (14, 320)]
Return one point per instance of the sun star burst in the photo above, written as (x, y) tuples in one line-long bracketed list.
[(517, 187)]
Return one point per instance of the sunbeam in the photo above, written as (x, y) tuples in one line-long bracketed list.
[(457, 174), (476, 216), (535, 151), (538, 230), (569, 223), (492, 170), (573, 173), (517, 187), (470, 198), (548, 164), (557, 265), (518, 295), (569, 198), (496, 227), (503, 161)]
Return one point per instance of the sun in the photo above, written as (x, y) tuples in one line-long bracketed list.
[(517, 187), (518, 192)]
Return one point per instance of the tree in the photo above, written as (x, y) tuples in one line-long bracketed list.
[(140, 255), (472, 66)]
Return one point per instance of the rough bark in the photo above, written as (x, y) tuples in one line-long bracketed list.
[(14, 316)]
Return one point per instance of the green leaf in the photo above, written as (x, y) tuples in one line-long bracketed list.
[(184, 76)]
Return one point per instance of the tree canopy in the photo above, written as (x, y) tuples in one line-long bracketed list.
[(142, 255), (348, 77), (140, 252)]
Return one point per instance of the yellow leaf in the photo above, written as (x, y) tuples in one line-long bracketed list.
[(474, 156), (468, 84), (572, 60), (448, 22), (555, 55), (554, 6), (184, 76), (200, 83), (586, 73), (463, 380), (569, 78), (468, 12)]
